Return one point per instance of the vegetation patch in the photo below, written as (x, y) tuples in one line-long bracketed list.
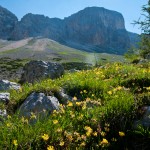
[(106, 102)]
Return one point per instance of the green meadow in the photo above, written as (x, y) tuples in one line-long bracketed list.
[(106, 102)]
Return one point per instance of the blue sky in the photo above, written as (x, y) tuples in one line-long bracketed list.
[(130, 9)]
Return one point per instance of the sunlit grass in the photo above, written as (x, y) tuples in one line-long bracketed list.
[(100, 116)]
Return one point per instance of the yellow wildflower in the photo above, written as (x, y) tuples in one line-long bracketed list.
[(76, 134), (70, 104), (84, 91), (50, 148), (95, 133), (15, 142), (106, 129), (103, 133), (74, 98), (8, 116), (119, 88), (54, 111), (45, 137), (20, 89), (121, 133), (8, 124), (69, 136), (107, 124), (103, 76), (89, 130), (148, 88), (109, 92), (24, 120), (55, 121), (72, 114), (83, 137), (104, 141), (93, 95), (84, 107), (88, 99), (78, 103), (62, 143), (114, 139), (33, 116), (82, 144), (59, 130), (80, 117)]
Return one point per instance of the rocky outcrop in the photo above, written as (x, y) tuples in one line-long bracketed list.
[(7, 23), (7, 85), (145, 118), (97, 29), (4, 98), (37, 25), (3, 113), (94, 29), (37, 70), (38, 104)]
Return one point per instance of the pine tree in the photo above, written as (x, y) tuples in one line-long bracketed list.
[(145, 27)]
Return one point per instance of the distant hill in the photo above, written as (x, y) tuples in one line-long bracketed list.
[(94, 29), (134, 39), (49, 50)]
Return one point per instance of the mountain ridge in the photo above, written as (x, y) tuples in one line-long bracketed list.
[(93, 29)]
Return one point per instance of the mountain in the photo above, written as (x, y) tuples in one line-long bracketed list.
[(94, 29), (97, 29), (7, 23), (134, 39)]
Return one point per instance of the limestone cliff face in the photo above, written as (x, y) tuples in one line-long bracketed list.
[(36, 25), (97, 28), (7, 23), (94, 29)]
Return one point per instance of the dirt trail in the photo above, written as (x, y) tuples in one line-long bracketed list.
[(39, 44), (15, 44)]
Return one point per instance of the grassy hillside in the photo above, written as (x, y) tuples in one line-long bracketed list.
[(46, 49), (110, 100)]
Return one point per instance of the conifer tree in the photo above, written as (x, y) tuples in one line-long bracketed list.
[(145, 27)]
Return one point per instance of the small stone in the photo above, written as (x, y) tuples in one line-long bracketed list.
[(4, 97), (7, 85)]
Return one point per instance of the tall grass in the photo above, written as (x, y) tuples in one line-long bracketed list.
[(100, 116)]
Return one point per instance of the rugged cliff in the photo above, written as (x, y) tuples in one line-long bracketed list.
[(7, 23), (97, 29), (94, 29), (36, 25)]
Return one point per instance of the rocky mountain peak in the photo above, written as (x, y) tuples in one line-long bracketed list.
[(97, 29), (101, 15), (7, 22), (94, 29)]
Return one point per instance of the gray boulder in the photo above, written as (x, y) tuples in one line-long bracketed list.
[(37, 70), (7, 85), (5, 97), (143, 61), (145, 119), (39, 104), (63, 97), (3, 113), (73, 70)]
